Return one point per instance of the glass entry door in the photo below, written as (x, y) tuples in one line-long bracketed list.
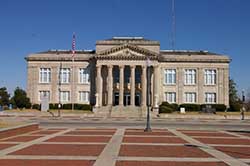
[(126, 99)]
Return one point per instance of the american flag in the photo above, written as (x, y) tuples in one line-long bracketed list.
[(73, 45)]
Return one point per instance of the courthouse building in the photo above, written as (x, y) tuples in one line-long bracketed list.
[(114, 74)]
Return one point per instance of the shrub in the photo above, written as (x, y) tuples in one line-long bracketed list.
[(82, 107), (191, 107), (174, 106), (220, 107), (217, 107), (67, 106), (165, 109), (36, 106), (235, 107)]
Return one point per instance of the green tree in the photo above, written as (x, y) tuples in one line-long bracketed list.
[(20, 99), (4, 97), (234, 101), (233, 97)]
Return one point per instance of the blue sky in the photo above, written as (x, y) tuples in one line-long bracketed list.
[(29, 26)]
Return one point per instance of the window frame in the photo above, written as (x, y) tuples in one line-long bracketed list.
[(190, 74), (210, 76), (170, 76), (172, 97), (186, 97), (45, 75), (82, 77)]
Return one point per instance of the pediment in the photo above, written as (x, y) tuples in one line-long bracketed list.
[(127, 51)]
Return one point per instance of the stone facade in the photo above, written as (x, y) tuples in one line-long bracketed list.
[(116, 73)]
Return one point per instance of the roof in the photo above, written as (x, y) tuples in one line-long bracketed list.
[(61, 55), (186, 52), (127, 40), (67, 52), (192, 56)]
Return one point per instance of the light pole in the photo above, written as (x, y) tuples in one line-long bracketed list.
[(243, 108), (148, 128)]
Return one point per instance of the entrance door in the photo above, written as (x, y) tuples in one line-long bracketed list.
[(126, 99), (137, 99), (116, 98)]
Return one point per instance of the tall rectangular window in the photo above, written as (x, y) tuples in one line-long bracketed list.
[(64, 96), (190, 97), (44, 94), (170, 97), (65, 75), (84, 76), (190, 77), (210, 77), (45, 75), (84, 96), (210, 98), (170, 76)]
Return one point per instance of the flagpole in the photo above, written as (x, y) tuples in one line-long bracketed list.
[(73, 71), (72, 93)]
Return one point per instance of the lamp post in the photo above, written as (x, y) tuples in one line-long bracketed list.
[(148, 128), (243, 108)]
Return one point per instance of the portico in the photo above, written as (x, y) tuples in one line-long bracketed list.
[(124, 85)]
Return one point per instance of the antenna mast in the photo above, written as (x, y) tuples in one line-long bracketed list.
[(173, 25)]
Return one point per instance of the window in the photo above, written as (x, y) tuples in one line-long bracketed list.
[(44, 94), (170, 97), (84, 76), (65, 75), (45, 75), (84, 96), (210, 98), (64, 96), (190, 76), (170, 76), (210, 77), (190, 97)]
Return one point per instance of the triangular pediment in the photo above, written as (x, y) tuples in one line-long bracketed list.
[(127, 51)]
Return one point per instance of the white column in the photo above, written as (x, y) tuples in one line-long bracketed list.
[(121, 88), (132, 86), (98, 86), (110, 85), (144, 85), (156, 86)]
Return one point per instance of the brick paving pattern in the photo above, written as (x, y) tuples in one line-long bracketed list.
[(84, 146)]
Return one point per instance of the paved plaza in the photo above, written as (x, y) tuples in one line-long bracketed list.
[(125, 146)]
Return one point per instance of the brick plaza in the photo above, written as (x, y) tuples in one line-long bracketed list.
[(125, 147)]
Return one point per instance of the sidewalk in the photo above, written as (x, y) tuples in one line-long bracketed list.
[(126, 147)]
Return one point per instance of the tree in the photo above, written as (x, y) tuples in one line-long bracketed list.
[(20, 99), (4, 97), (233, 97), (234, 101)]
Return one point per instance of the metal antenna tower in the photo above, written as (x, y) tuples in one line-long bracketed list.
[(173, 26)]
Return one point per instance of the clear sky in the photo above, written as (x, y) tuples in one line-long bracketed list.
[(29, 26)]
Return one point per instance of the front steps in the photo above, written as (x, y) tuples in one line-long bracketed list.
[(121, 111)]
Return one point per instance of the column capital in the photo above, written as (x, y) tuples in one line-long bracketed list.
[(110, 66), (132, 66), (98, 66), (121, 66)]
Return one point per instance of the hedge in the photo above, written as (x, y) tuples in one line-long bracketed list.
[(191, 107), (217, 107), (69, 106), (235, 107), (36, 106), (165, 109)]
